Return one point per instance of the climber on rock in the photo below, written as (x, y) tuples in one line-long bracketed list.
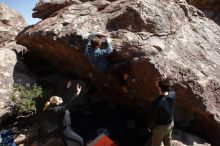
[(97, 56)]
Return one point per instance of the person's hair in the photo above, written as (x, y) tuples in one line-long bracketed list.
[(51, 102), (164, 84), (95, 42)]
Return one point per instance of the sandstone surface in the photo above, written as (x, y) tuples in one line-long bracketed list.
[(155, 38)]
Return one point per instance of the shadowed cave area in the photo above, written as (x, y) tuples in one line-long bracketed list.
[(100, 115)]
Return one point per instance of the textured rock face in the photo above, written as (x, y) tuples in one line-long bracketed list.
[(11, 68), (6, 81), (44, 8), (10, 24), (211, 8), (211, 4), (181, 138), (156, 38)]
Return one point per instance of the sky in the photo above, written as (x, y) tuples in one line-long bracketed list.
[(24, 7)]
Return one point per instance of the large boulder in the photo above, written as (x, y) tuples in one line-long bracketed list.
[(155, 38), (44, 8), (11, 22), (211, 8), (12, 69)]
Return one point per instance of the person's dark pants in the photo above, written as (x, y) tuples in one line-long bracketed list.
[(71, 138), (162, 133)]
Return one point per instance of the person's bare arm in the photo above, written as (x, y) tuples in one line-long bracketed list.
[(78, 91)]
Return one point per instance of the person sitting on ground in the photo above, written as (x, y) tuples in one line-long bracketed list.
[(161, 123), (60, 115), (97, 56)]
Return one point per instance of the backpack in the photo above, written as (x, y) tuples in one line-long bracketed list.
[(6, 138)]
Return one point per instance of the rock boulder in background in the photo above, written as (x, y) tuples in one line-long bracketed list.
[(10, 24), (44, 8), (211, 8), (155, 38), (12, 69), (211, 4)]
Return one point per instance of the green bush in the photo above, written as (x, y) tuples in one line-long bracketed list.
[(25, 98)]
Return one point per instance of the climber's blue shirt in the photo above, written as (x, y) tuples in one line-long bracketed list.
[(97, 57)]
